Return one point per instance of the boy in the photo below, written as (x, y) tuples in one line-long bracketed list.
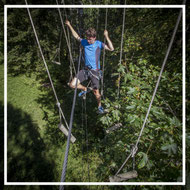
[(92, 49)]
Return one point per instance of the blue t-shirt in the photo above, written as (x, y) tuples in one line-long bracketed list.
[(92, 53)]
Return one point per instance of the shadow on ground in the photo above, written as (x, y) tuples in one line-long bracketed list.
[(26, 150)]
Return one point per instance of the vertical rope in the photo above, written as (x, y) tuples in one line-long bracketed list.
[(67, 41), (86, 132), (59, 53), (102, 81), (68, 34), (70, 128), (121, 51), (82, 140), (97, 22)]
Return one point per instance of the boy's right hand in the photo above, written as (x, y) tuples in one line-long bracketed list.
[(67, 22)]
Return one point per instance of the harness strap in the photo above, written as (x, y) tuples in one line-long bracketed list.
[(88, 71), (97, 77)]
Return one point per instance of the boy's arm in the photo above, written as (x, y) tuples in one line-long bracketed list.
[(74, 33), (110, 45)]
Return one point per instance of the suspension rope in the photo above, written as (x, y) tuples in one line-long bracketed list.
[(97, 23), (67, 41), (102, 81), (70, 127), (42, 55), (59, 53), (82, 179), (68, 33), (155, 90), (123, 27), (86, 132)]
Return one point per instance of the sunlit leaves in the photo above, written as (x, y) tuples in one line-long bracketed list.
[(144, 159)]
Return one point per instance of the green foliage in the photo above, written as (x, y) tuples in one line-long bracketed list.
[(144, 160), (130, 109)]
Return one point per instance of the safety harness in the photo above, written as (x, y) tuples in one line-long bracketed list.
[(88, 71)]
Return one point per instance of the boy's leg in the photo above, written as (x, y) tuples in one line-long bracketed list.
[(95, 86), (98, 96), (79, 86), (81, 78)]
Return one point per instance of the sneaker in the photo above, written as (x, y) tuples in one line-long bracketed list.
[(100, 110), (82, 93)]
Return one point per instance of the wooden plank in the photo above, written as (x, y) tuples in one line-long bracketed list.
[(113, 128), (124, 176), (65, 131)]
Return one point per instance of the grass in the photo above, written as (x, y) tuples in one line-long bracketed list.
[(22, 93)]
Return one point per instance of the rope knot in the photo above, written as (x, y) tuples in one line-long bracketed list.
[(58, 104), (134, 150)]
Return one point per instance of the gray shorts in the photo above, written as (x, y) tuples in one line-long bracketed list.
[(91, 75)]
